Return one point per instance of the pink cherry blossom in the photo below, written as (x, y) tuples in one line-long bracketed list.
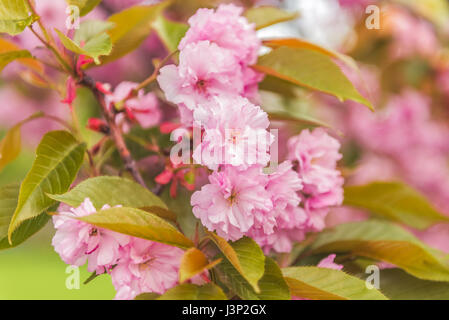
[(227, 28), (234, 133), (316, 154), (283, 187), (77, 241), (146, 266), (329, 263), (205, 70), (144, 107), (234, 201)]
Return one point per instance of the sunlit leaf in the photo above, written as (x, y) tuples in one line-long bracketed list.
[(272, 284), (395, 201), (193, 263), (385, 241), (245, 256), (266, 16), (58, 159), (131, 27), (8, 57), (15, 16), (310, 69), (113, 191), (398, 285), (85, 6), (7, 46), (10, 145), (327, 284), (8, 203), (99, 45), (140, 224), (189, 291)]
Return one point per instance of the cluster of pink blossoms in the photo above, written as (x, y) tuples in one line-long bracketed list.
[(215, 88), (136, 266)]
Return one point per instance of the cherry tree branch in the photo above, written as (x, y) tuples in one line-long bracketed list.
[(115, 131)]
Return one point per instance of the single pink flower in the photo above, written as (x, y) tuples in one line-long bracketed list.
[(77, 241), (235, 133), (146, 266), (205, 70), (234, 201), (228, 29)]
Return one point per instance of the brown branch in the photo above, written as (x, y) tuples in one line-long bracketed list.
[(115, 132)]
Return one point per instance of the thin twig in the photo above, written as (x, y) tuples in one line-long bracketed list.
[(115, 131)]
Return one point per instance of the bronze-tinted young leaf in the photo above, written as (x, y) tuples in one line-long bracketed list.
[(385, 241), (7, 47), (188, 291), (8, 57), (266, 16), (304, 44), (15, 16), (58, 159), (311, 69), (140, 224), (395, 201), (193, 263), (10, 145), (245, 256), (113, 191), (327, 284), (131, 27)]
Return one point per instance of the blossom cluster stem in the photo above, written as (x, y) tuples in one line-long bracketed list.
[(115, 132)]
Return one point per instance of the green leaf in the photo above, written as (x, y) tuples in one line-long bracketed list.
[(245, 256), (266, 16), (14, 16), (140, 224), (170, 32), (189, 291), (91, 28), (58, 159), (385, 241), (272, 284), (97, 46), (10, 145), (398, 285), (85, 6), (311, 69), (193, 263), (8, 57), (395, 201), (296, 43), (147, 296), (8, 47), (327, 284), (8, 202), (132, 27), (114, 191)]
